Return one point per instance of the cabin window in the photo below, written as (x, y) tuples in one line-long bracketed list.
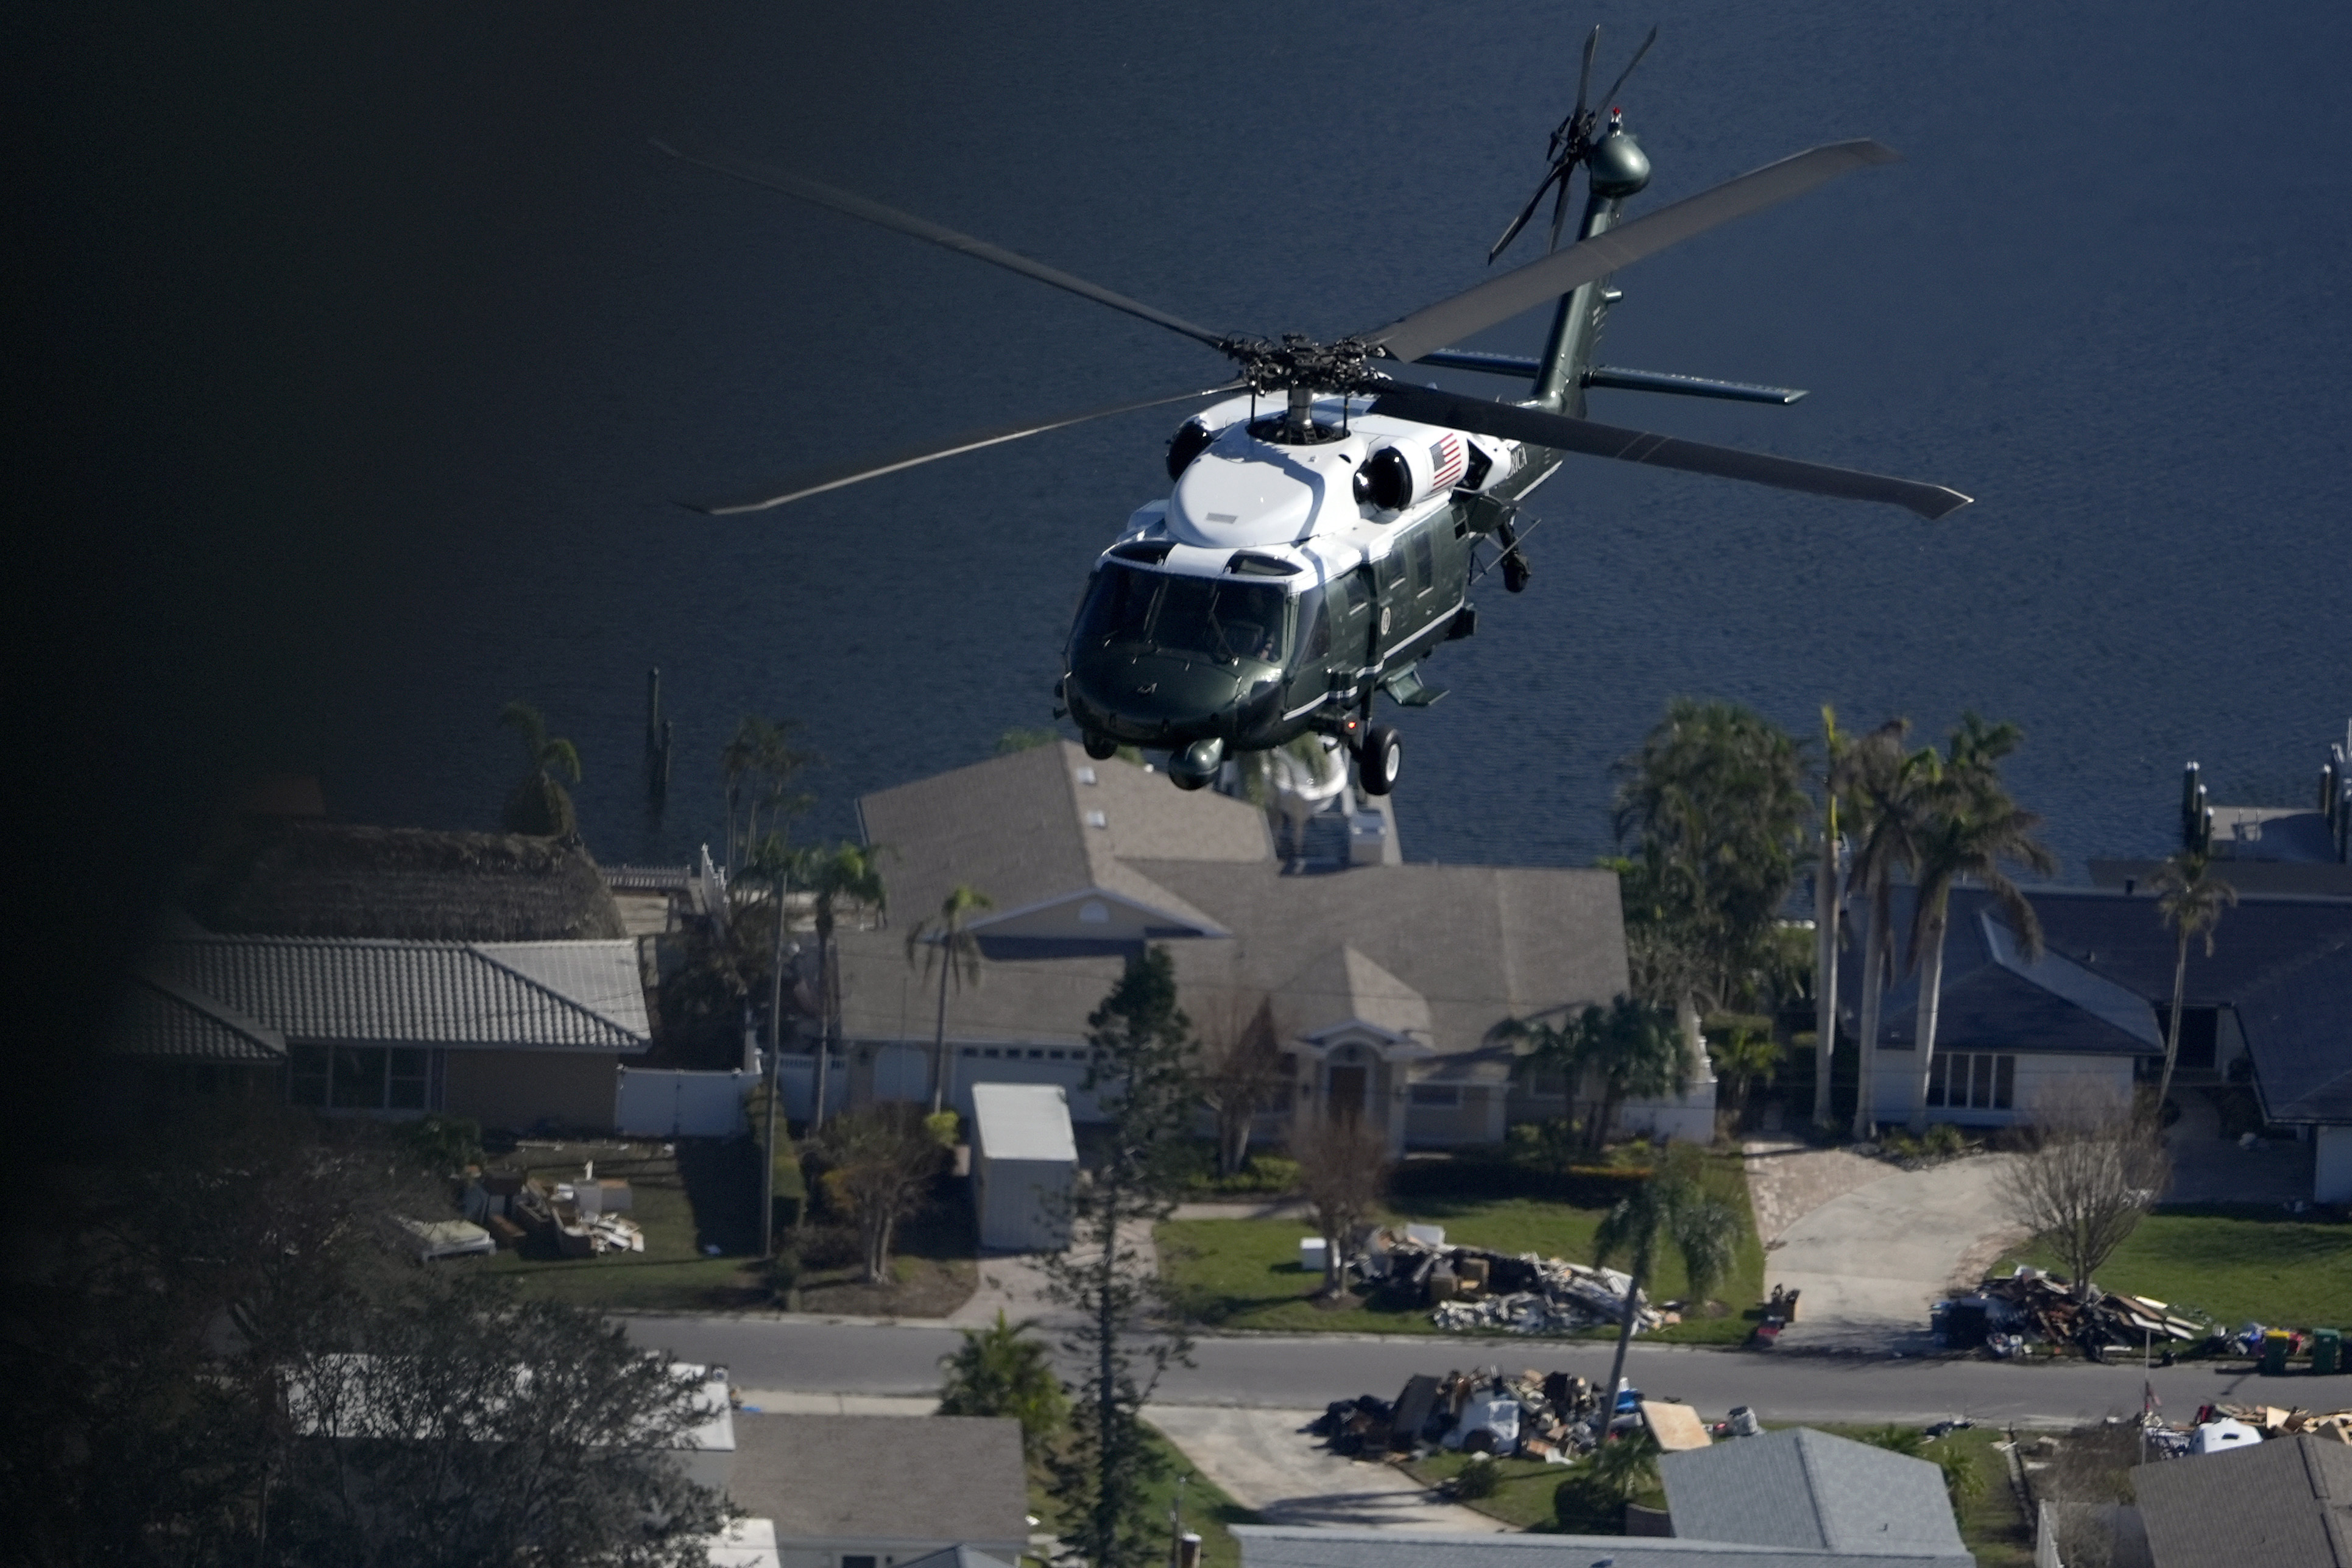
[(1317, 618), (1424, 569), (1359, 593)]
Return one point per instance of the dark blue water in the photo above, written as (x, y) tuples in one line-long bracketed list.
[(2105, 294)]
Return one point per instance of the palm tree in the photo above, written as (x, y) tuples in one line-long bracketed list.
[(1741, 1059), (759, 764), (1000, 1371), (944, 939), (1887, 789), (1630, 1049), (541, 806), (832, 875), (1829, 904), (1971, 827), (1670, 1206), (2190, 899)]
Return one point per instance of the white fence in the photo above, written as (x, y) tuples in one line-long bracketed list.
[(663, 1103)]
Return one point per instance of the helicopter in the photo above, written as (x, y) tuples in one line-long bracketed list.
[(1313, 553)]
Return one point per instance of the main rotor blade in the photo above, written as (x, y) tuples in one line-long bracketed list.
[(1500, 299), (872, 212), (1584, 76), (1610, 95), (824, 479), (1563, 434)]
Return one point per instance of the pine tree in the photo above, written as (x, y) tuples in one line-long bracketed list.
[(1140, 1071)]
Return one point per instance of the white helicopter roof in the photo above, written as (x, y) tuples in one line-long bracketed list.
[(1294, 504)]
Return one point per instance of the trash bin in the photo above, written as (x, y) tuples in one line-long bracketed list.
[(2274, 1349), (2327, 1352)]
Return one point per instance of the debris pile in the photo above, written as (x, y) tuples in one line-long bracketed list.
[(1552, 1416), (578, 1229), (2009, 1309), (1470, 1288), (2271, 1420)]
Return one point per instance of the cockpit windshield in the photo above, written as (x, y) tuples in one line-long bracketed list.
[(1217, 618)]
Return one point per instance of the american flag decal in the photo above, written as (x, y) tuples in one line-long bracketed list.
[(1446, 461)]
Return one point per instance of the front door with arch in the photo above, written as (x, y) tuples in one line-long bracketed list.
[(1344, 1101)]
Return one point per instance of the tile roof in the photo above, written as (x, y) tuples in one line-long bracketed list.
[(2284, 1501), (1804, 1489), (944, 1478), (582, 995), (162, 1018), (1277, 1546)]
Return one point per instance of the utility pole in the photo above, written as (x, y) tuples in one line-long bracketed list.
[(776, 1064)]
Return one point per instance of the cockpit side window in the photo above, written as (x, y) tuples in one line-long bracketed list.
[(1119, 607)]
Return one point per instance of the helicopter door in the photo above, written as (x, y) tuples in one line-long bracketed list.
[(1356, 640)]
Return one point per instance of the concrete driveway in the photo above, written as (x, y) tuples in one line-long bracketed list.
[(1264, 1462), (1869, 1260)]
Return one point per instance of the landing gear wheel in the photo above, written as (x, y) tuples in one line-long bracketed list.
[(1186, 781), (1101, 748), (1516, 572), (1378, 763)]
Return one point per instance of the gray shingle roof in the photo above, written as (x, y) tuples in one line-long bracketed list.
[(943, 1477), (1021, 829), (1801, 1487), (2284, 965), (1440, 952), (164, 1020), (1344, 987), (556, 996), (2285, 1503), (1273, 1546)]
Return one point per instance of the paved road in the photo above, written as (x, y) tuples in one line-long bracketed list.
[(828, 1356)]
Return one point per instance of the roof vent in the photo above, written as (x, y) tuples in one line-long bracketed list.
[(1097, 819)]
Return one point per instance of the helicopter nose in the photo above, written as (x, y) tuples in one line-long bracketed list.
[(1143, 697)]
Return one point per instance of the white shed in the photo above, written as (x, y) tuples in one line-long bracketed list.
[(1023, 1161)]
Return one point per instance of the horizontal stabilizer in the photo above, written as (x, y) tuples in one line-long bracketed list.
[(1687, 385)]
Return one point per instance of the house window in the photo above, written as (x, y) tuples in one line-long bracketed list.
[(306, 1075), (1963, 1081), (2200, 1036), (1446, 1095), (850, 1560), (358, 1078), (405, 1090)]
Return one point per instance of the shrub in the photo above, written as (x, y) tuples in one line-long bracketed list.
[(1477, 1478), (784, 1272), (1945, 1139), (445, 1144), (945, 1126)]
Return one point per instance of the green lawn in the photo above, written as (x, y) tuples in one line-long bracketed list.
[(2235, 1264), (1245, 1274), (682, 1202), (1207, 1510), (1527, 1496)]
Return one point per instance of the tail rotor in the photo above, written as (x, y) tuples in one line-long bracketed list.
[(1570, 144)]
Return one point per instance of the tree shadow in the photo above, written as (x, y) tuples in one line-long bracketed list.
[(722, 1177)]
